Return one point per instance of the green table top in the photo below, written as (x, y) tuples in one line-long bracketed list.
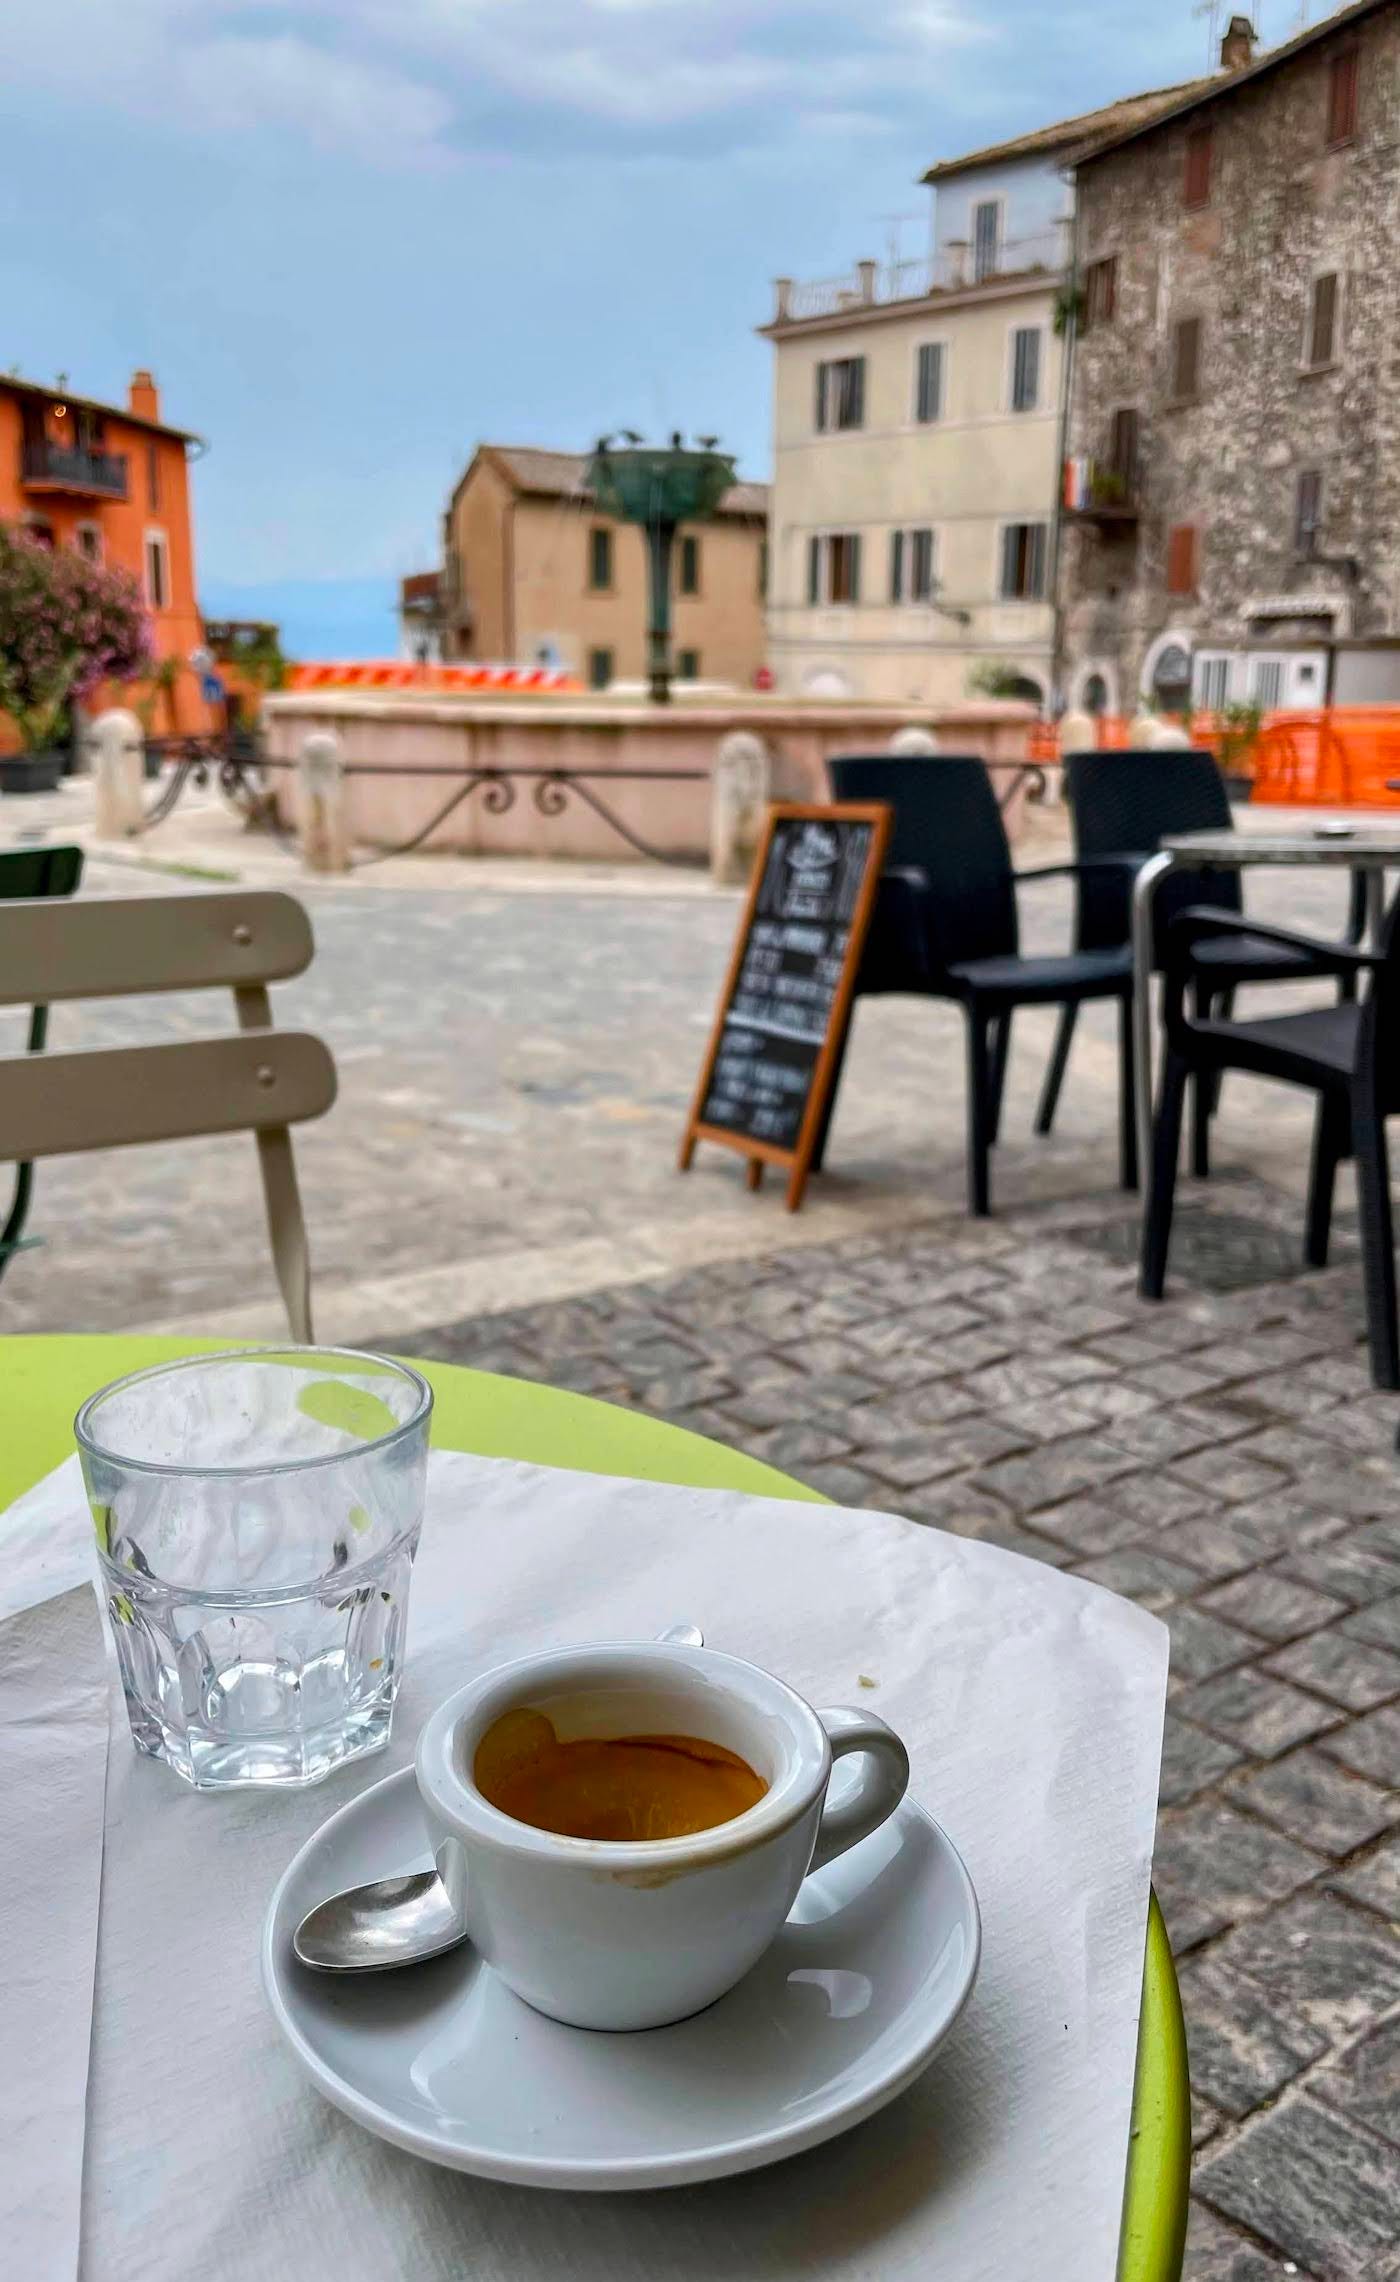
[(43, 1381)]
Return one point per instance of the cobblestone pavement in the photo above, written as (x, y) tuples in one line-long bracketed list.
[(1220, 1459), (515, 1065)]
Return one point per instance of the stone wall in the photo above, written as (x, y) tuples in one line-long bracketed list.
[(1282, 209), (396, 735)]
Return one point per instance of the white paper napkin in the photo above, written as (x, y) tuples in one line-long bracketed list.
[(53, 1769), (1032, 1706)]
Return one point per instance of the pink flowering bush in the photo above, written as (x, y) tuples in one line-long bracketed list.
[(66, 625)]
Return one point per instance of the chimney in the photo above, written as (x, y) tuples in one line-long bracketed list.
[(865, 271), (1237, 47), (143, 397)]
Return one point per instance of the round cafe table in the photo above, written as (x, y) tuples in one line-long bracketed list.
[(43, 1381)]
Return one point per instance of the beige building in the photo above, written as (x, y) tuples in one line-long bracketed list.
[(917, 444), (534, 573)]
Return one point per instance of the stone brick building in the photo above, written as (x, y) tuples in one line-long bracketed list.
[(1232, 505)]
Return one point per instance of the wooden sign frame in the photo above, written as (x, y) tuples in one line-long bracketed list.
[(798, 1159)]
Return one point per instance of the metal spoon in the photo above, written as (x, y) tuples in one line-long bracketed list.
[(403, 1920)]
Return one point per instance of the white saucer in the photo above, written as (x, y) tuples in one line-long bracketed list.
[(865, 1979)]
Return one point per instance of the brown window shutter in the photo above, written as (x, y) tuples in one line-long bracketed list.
[(1123, 445), (1186, 375), (1343, 87), (1322, 344), (1195, 189), (1182, 552)]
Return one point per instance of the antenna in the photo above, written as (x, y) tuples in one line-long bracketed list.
[(1210, 11), (894, 226)]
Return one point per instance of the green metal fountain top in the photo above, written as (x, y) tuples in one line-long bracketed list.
[(659, 483), (659, 487)]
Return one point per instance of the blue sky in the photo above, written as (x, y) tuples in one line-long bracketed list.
[(353, 237)]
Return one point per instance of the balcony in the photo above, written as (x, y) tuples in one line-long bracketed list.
[(1098, 492), (46, 466), (955, 268)]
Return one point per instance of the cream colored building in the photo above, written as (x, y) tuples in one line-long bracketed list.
[(917, 444), (534, 573)]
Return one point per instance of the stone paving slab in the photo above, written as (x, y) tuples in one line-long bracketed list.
[(1002, 1380)]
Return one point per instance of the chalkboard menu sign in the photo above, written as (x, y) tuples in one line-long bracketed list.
[(772, 1054)]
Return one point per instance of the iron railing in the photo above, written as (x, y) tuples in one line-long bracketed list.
[(955, 267), (68, 468)]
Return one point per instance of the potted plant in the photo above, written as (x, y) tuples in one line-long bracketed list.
[(1238, 727), (66, 625)]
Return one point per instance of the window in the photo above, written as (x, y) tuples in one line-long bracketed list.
[(1322, 321), (600, 558), (1023, 562), (762, 569), (1123, 445), (843, 566), (1025, 368), (833, 567), (1101, 292), (841, 393), (152, 476), (928, 381), (1343, 86), (40, 528), (1183, 558), (1213, 682), (688, 665), (986, 239), (1195, 182), (911, 566), (157, 570), (1186, 360), (1267, 691), (600, 668), (87, 538), (1307, 521), (690, 564)]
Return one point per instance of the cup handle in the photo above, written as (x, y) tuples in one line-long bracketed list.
[(883, 1782)]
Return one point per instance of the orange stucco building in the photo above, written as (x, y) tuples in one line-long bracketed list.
[(113, 481)]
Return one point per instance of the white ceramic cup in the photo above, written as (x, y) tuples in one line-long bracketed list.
[(604, 1935)]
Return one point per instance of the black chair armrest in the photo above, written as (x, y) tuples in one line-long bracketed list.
[(1200, 919), (1123, 863)]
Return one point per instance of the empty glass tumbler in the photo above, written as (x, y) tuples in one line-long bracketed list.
[(257, 1515)]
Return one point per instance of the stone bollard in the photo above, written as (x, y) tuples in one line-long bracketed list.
[(1170, 737), (119, 773), (913, 744), (325, 834), (738, 803), (1078, 734)]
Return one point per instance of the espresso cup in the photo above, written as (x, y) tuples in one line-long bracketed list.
[(627, 1936)]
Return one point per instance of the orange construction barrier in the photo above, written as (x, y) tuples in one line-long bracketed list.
[(1346, 756), (398, 673)]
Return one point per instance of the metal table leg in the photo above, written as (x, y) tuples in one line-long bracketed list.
[(1144, 889), (1375, 906)]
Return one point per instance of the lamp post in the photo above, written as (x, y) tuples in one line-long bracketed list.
[(659, 487)]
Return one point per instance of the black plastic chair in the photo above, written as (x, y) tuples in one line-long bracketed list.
[(28, 872), (1127, 803), (1348, 1055), (945, 926)]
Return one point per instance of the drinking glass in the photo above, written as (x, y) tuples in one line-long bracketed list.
[(257, 1515)]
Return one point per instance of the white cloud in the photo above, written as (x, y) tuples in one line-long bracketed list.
[(419, 82)]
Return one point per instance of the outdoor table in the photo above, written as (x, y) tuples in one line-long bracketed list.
[(1365, 850), (43, 1381)]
